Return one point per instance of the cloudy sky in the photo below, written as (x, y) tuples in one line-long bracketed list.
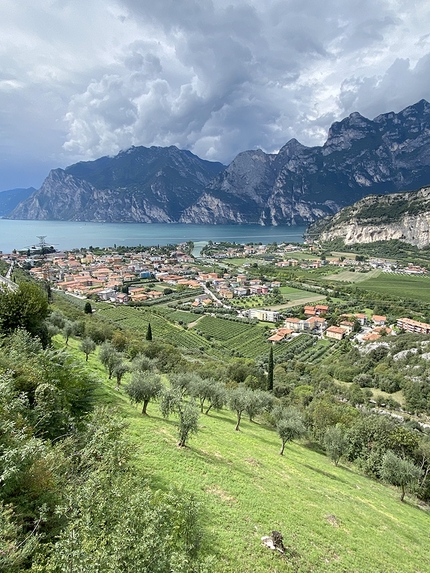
[(79, 80)]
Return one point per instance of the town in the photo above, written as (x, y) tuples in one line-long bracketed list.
[(222, 275)]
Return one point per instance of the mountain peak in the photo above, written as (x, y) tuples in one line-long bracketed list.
[(292, 147), (295, 186)]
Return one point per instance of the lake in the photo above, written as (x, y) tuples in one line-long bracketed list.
[(67, 235)]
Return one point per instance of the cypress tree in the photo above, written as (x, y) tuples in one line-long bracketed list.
[(149, 332), (270, 371)]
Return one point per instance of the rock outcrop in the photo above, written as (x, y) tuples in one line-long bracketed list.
[(402, 216)]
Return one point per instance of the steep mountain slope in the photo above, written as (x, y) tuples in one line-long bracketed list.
[(12, 197), (403, 216), (138, 185), (295, 186), (300, 184)]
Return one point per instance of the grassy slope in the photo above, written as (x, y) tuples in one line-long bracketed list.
[(332, 519)]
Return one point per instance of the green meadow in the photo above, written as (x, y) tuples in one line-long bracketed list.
[(353, 277), (403, 286), (332, 518)]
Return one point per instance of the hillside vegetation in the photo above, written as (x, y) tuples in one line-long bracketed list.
[(93, 407), (332, 518)]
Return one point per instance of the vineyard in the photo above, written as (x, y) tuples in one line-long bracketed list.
[(237, 338), (216, 336), (317, 352), (223, 330), (137, 319)]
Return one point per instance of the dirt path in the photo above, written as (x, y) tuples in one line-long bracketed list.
[(193, 324)]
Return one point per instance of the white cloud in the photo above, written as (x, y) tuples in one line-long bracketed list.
[(212, 76)]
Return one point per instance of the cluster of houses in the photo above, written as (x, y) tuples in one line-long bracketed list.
[(240, 251), (105, 276), (316, 323)]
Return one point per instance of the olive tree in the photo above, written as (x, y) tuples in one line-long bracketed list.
[(119, 371), (142, 363), (238, 400), (208, 391), (109, 357), (87, 346), (259, 401), (290, 427), (399, 472), (184, 382), (173, 402), (143, 388), (336, 443)]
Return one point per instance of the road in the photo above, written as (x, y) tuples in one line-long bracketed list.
[(6, 280)]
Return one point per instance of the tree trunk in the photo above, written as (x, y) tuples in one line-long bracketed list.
[(239, 416), (86, 357), (402, 497), (145, 405), (207, 411), (281, 453)]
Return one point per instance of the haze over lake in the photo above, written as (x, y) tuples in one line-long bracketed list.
[(67, 235)]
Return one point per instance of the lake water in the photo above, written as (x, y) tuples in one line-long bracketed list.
[(67, 235)]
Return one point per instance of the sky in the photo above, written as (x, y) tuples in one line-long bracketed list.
[(79, 80)]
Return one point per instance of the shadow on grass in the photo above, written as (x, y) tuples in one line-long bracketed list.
[(216, 461), (314, 447), (325, 474)]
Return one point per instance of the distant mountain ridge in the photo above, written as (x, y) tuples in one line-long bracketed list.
[(144, 185), (10, 198), (401, 216), (293, 187)]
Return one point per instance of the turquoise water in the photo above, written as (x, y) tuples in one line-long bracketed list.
[(66, 235)]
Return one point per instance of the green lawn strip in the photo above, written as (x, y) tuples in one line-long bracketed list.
[(353, 277), (293, 294), (310, 298), (332, 519), (186, 317)]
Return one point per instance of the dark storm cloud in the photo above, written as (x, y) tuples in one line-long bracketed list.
[(378, 94), (215, 77)]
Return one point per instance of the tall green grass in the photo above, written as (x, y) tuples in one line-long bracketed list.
[(332, 519)]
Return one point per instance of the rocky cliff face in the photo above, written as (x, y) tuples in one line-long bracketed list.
[(403, 216), (145, 185), (301, 184), (295, 186)]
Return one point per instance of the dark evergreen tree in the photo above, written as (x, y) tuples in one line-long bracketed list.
[(149, 332), (88, 309), (270, 371)]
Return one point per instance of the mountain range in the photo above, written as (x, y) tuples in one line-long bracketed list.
[(295, 186)]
